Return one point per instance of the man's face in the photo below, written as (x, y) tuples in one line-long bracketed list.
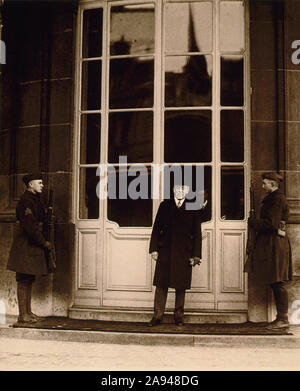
[(180, 191), (268, 185), (36, 186)]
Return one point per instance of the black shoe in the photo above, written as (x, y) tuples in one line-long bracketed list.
[(278, 325), (36, 317), (154, 322), (26, 318), (179, 322)]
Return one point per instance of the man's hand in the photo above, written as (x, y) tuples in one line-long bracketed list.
[(197, 261), (154, 255)]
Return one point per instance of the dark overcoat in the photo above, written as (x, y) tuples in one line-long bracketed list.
[(176, 236), (27, 254), (270, 260)]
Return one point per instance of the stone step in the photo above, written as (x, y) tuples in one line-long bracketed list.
[(123, 338)]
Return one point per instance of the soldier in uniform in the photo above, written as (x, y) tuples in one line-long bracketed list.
[(270, 261), (27, 255), (175, 245)]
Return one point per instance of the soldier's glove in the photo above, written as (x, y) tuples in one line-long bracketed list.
[(52, 219), (251, 220), (154, 255), (48, 245), (197, 261)]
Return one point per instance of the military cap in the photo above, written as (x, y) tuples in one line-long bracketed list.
[(273, 176), (31, 177)]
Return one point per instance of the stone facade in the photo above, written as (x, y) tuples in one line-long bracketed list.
[(37, 92), (275, 136), (36, 134)]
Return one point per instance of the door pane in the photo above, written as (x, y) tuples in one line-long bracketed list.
[(232, 81), (188, 81), (90, 133), (92, 33), (132, 29), (131, 82), (91, 85), (130, 203), (232, 135), (188, 136), (88, 199), (232, 31), (131, 134), (188, 27), (232, 193)]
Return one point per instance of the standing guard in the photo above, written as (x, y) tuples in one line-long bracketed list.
[(29, 254), (270, 260)]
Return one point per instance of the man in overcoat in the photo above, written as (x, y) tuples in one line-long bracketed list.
[(175, 245), (270, 261), (27, 255)]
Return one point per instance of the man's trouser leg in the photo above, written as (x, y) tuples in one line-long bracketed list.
[(23, 282), (179, 304), (29, 293), (160, 299), (281, 300)]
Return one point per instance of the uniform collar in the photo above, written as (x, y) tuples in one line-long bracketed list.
[(274, 193), (30, 194)]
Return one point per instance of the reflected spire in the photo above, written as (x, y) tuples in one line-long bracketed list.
[(196, 68), (192, 44)]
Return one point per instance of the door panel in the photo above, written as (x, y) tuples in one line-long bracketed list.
[(127, 259)]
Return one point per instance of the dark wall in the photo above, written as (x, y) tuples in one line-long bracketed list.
[(36, 130), (275, 115)]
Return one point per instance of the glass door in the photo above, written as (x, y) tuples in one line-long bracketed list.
[(160, 84)]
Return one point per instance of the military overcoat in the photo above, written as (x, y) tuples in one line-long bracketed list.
[(27, 254), (176, 235), (271, 259)]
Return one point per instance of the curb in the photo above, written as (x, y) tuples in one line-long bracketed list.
[(122, 338)]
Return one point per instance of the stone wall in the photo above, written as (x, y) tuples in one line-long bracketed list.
[(36, 134), (275, 118)]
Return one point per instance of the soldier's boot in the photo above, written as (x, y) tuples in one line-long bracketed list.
[(33, 316), (22, 294), (281, 322)]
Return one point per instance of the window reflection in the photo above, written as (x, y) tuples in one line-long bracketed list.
[(188, 81), (131, 83), (88, 199), (188, 27), (131, 134), (232, 135), (232, 81), (90, 132), (232, 193), (91, 85), (92, 33), (133, 24), (135, 209), (188, 136)]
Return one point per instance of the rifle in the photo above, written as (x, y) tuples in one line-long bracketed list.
[(49, 233), (251, 233)]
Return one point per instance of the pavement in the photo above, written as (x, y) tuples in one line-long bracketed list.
[(72, 350)]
